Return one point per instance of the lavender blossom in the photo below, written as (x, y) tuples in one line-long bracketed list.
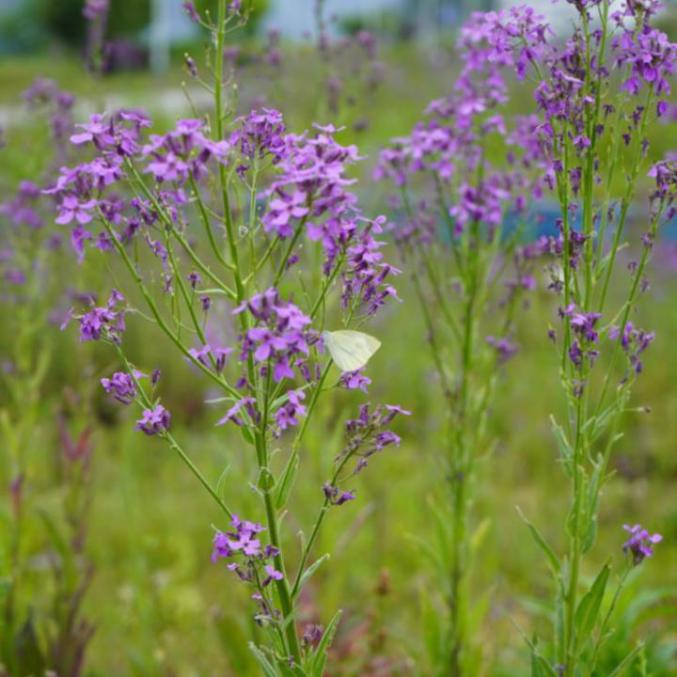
[(640, 544), (121, 386), (154, 421)]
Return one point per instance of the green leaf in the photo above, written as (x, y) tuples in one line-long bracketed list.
[(287, 480), (267, 667), (618, 670), (266, 480), (247, 434), (541, 542), (310, 571), (479, 535), (29, 656), (562, 442), (431, 625), (221, 483), (590, 535), (540, 667), (320, 655), (588, 608)]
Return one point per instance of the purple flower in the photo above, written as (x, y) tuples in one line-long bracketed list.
[(366, 435), (242, 540), (287, 415), (582, 324), (121, 386), (640, 544), (281, 337), (94, 9), (189, 8), (104, 321), (154, 421), (71, 208), (183, 152), (98, 131), (312, 634), (211, 356), (354, 380), (261, 133), (15, 276), (272, 575), (504, 348), (335, 496), (634, 342), (233, 414)]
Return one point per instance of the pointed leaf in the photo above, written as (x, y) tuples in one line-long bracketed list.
[(310, 571), (267, 667), (589, 606), (286, 482), (320, 656), (618, 670), (541, 542)]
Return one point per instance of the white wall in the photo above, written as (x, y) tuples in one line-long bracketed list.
[(296, 17)]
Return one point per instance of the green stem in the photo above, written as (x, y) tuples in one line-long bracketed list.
[(145, 401), (218, 103)]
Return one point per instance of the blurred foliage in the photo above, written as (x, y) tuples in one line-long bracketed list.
[(391, 24), (256, 10), (35, 23)]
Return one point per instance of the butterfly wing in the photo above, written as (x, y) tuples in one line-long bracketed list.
[(350, 350)]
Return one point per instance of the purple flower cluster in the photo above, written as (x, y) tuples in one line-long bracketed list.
[(234, 413), (106, 322), (211, 356), (335, 496), (310, 191), (312, 173), (451, 144), (640, 544), (182, 153), (663, 197), (307, 189), (504, 347), (583, 327), (634, 342), (22, 209), (94, 9), (79, 190), (280, 340), (355, 380), (45, 94), (646, 53), (260, 134), (288, 414), (154, 421), (367, 434), (257, 568), (491, 42), (121, 386)]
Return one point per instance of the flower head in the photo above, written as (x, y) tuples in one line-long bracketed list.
[(154, 421), (121, 386), (640, 544)]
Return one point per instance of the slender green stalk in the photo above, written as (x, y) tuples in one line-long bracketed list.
[(173, 443)]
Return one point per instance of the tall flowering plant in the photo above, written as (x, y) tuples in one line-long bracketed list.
[(42, 625), (465, 178), (597, 95), (243, 245)]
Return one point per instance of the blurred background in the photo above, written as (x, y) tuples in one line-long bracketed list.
[(154, 605)]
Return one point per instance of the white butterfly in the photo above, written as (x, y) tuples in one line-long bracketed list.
[(351, 350)]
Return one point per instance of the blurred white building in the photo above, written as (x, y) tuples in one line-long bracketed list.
[(296, 18)]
